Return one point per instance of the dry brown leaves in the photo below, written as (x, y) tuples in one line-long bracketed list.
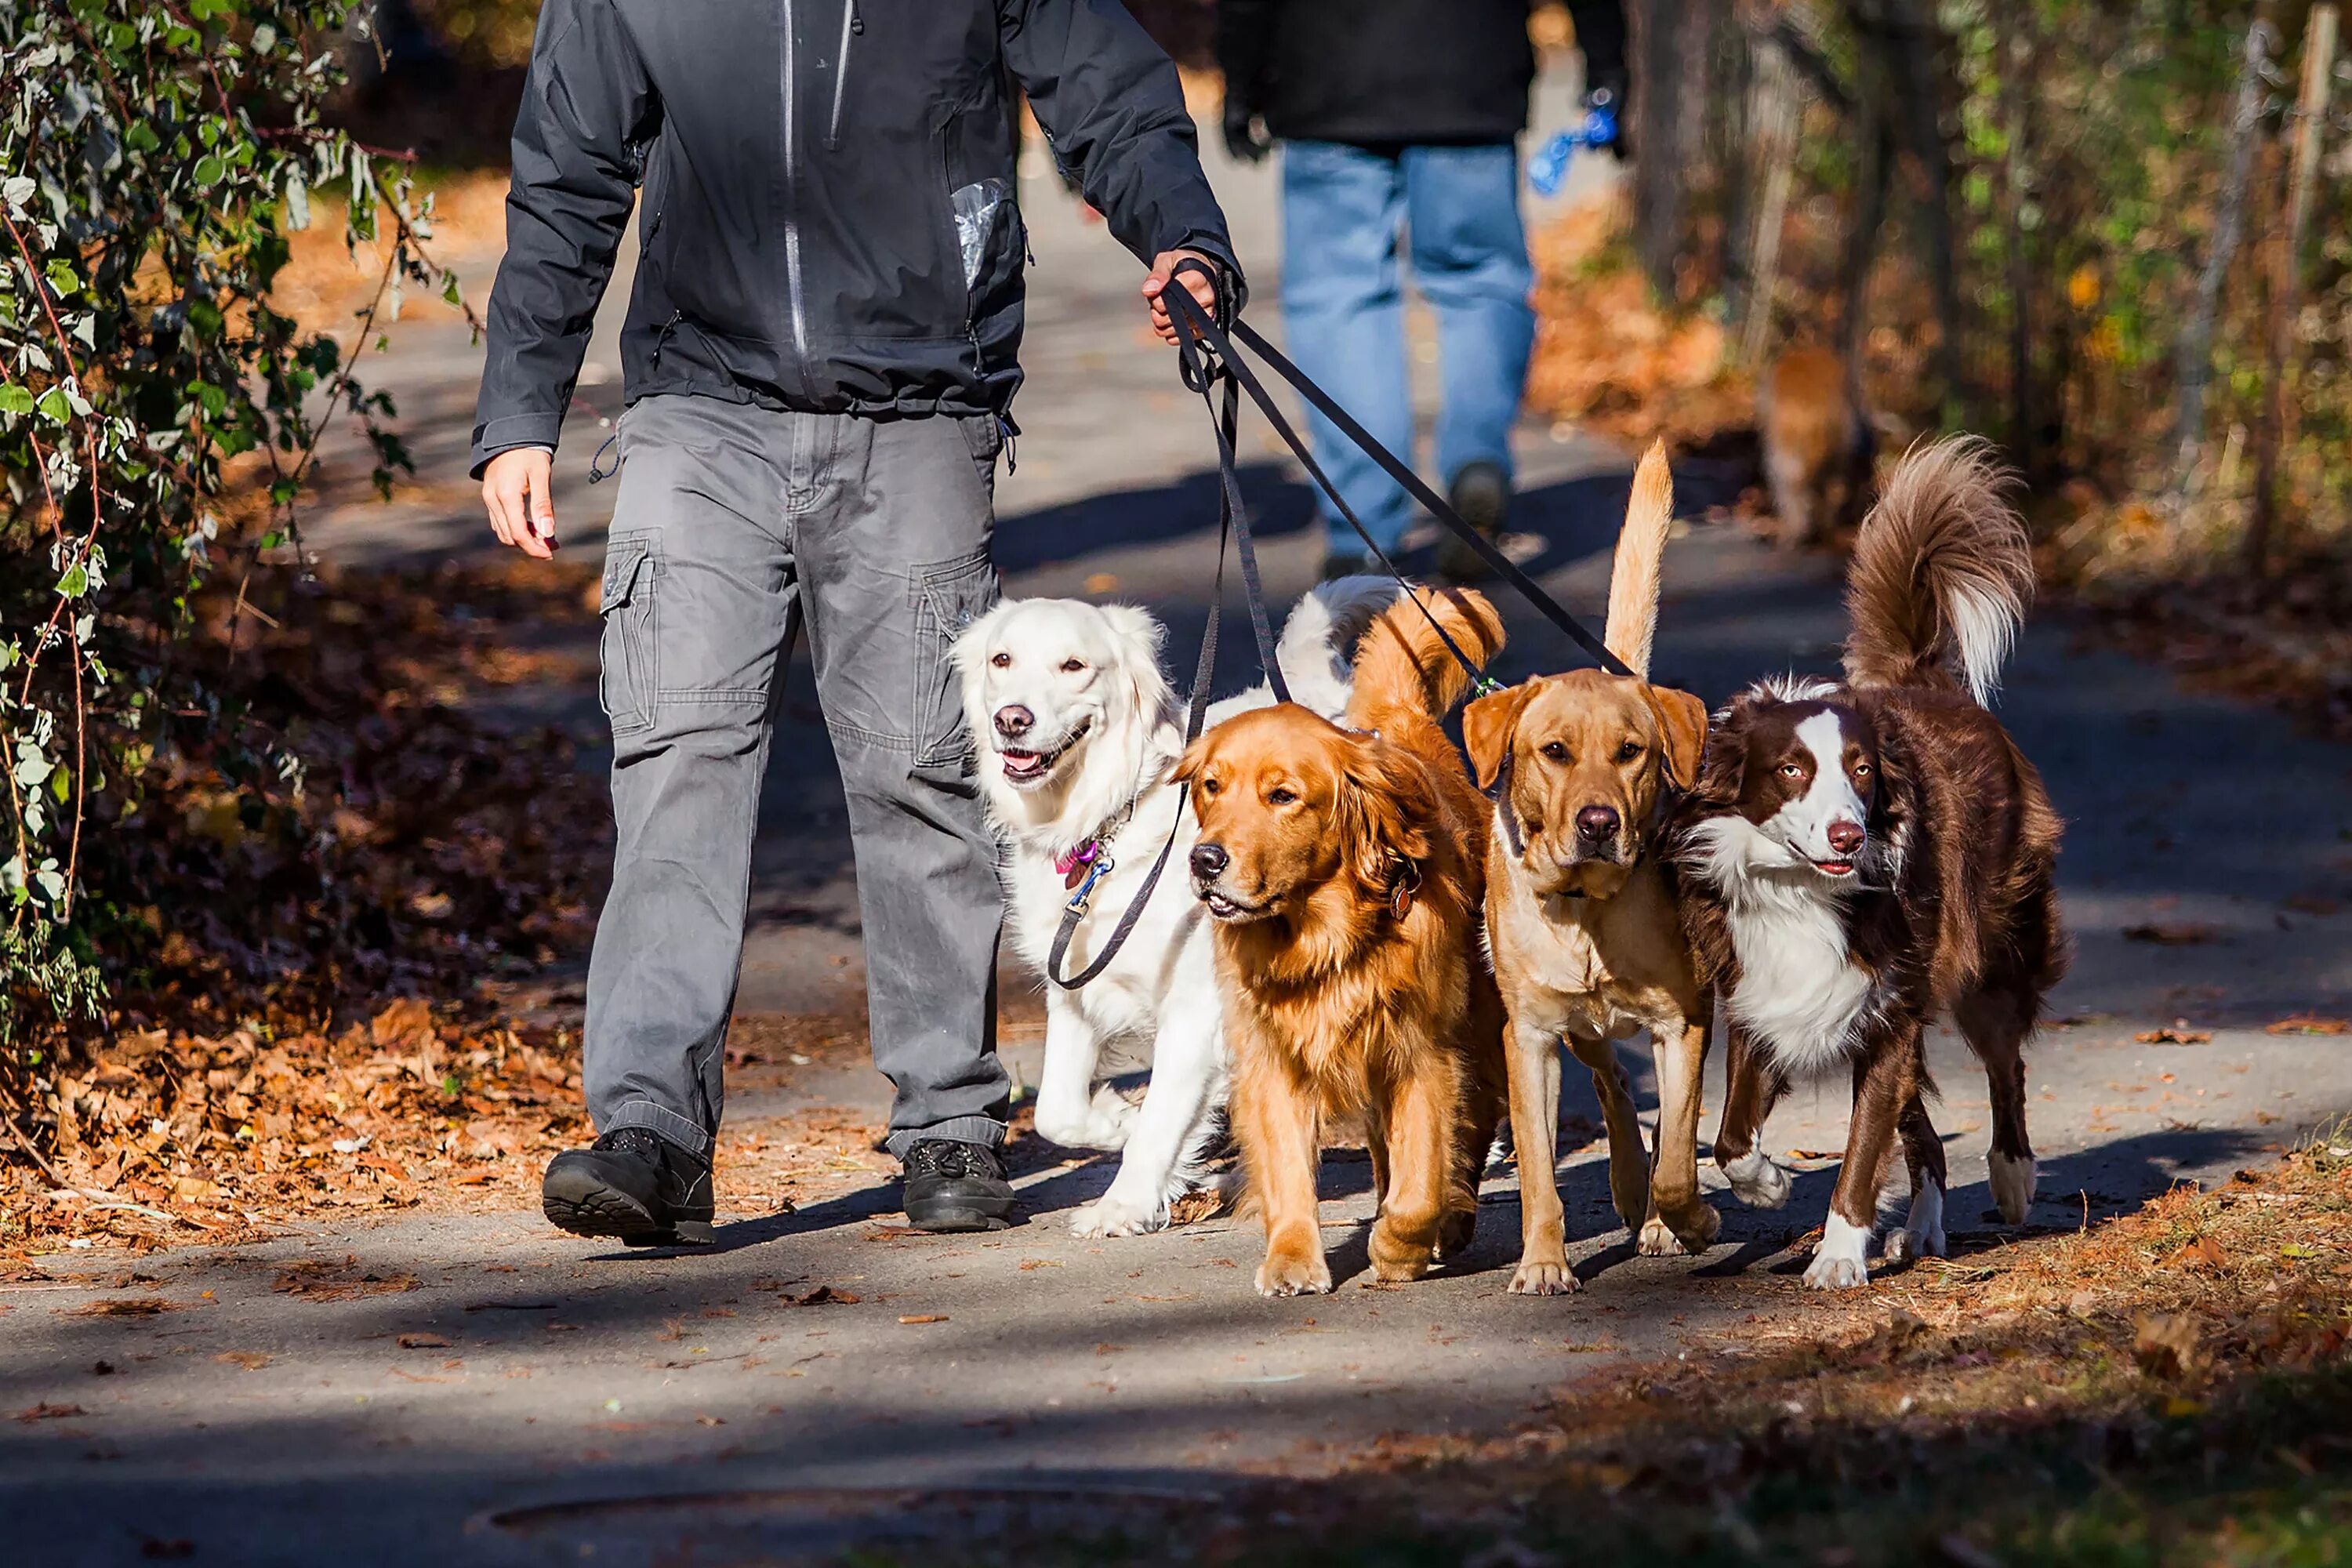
[(2159, 1308), (1607, 356)]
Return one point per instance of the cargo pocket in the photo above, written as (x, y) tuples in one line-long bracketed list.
[(630, 674), (949, 596)]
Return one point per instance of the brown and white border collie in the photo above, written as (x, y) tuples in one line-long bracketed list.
[(1861, 859)]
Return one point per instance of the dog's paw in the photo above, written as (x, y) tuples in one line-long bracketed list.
[(1757, 1180), (1922, 1235), (1113, 1215), (2013, 1181), (1294, 1277), (1655, 1240), (1545, 1276), (1841, 1262), (1694, 1231)]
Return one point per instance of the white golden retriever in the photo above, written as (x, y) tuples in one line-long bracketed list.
[(1080, 730)]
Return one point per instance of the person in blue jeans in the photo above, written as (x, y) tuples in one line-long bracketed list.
[(1399, 120)]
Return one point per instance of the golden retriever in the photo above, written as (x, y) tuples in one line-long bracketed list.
[(1344, 869), (1580, 913)]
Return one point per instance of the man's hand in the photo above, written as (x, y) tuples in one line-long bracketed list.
[(1245, 136), (1162, 269), (515, 491)]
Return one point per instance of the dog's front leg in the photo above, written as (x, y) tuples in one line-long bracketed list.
[(1535, 1133), (1188, 1076), (1420, 1131), (1276, 1122), (1629, 1158), (1884, 1082), (1752, 1086), (1684, 1221), (1065, 1111)]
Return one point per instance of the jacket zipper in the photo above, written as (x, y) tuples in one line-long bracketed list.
[(852, 26), (791, 220)]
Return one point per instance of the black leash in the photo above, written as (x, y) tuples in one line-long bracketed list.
[(1232, 522), (1201, 323)]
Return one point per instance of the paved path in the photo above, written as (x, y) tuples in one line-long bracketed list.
[(577, 1387)]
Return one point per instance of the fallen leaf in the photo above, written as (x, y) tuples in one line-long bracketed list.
[(130, 1306), (2166, 1345), (709, 1421), (1817, 1153), (2204, 1251), (2173, 934), (2309, 1024), (924, 1317), (1190, 1208), (2298, 1250), (252, 1361), (2177, 1033), (822, 1296), (1029, 1264), (47, 1412), (423, 1343)]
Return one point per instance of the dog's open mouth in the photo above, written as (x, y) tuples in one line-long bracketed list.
[(1023, 766), (1229, 909), (1826, 867)]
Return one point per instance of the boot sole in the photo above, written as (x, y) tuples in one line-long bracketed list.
[(591, 1208), (948, 1217)]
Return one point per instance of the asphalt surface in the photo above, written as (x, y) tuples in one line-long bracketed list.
[(503, 1394)]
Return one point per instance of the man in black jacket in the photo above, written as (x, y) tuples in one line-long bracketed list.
[(820, 352), (1403, 115)]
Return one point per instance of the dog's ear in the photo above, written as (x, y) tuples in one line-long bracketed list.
[(1682, 731), (1138, 636), (970, 650), (1723, 764), (1189, 765), (1487, 726), (1388, 807)]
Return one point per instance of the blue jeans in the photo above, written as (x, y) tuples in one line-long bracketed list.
[(1342, 210)]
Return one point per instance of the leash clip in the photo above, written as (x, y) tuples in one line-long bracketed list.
[(1098, 868)]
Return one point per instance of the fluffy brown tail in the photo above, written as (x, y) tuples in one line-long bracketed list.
[(1942, 572), (1404, 673), (1641, 548)]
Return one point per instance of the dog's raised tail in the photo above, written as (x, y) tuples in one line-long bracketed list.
[(1318, 650), (1405, 670), (1942, 572), (1640, 550)]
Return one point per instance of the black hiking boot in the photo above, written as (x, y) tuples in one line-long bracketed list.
[(952, 1186), (1481, 495), (633, 1185)]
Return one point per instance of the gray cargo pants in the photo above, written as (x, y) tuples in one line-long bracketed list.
[(736, 527)]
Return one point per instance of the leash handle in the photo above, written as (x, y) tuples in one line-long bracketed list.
[(1396, 468)]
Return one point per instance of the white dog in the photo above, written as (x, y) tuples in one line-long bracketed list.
[(1081, 729)]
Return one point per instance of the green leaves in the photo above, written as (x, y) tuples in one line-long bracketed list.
[(147, 209)]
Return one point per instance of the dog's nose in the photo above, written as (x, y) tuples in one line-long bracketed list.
[(1596, 822), (1209, 861), (1845, 837), (1013, 722)]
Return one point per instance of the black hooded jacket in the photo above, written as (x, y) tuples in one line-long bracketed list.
[(828, 221), (1385, 73)]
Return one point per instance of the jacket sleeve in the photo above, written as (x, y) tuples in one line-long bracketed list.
[(587, 109), (1244, 50), (1111, 103)]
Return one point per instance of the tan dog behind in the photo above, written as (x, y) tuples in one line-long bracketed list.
[(1818, 447), (1345, 871), (1581, 915)]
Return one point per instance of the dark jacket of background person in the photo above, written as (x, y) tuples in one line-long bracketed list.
[(828, 221), (1377, 73)]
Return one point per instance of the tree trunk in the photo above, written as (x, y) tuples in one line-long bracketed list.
[(1659, 29), (2229, 229), (2017, 55), (1911, 38), (1774, 119), (2280, 366)]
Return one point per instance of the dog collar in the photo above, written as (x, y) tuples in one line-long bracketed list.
[(1074, 863)]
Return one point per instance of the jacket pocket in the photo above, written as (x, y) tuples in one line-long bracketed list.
[(949, 596), (630, 674)]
